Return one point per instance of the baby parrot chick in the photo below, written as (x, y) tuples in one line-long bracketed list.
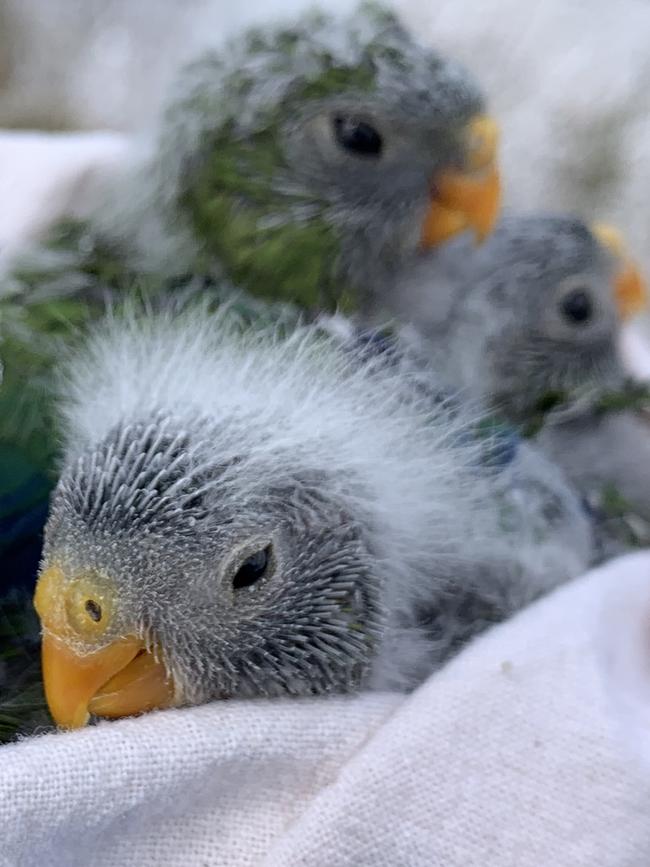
[(266, 512), (531, 323)]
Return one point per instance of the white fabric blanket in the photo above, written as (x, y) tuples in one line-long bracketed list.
[(44, 177), (509, 757)]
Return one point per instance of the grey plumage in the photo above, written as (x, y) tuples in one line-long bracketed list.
[(530, 323), (385, 535)]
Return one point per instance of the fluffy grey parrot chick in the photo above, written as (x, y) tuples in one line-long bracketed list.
[(530, 323), (251, 514)]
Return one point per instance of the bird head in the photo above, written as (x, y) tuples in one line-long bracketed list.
[(544, 301), (311, 158), (169, 579)]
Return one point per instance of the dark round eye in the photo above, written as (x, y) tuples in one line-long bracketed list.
[(357, 136), (577, 306), (253, 568), (94, 610)]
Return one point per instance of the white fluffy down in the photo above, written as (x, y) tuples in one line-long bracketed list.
[(298, 396), (406, 468), (401, 468)]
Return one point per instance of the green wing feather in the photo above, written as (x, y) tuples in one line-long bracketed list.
[(23, 709), (43, 304)]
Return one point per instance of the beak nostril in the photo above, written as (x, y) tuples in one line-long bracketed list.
[(94, 610)]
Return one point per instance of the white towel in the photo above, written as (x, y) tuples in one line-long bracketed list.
[(509, 757), (46, 176)]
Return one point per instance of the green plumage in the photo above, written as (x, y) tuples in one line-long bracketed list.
[(28, 349), (270, 242), (250, 254), (33, 327), (23, 709), (43, 308), (632, 395), (253, 232)]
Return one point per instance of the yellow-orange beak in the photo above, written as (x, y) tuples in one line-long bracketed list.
[(630, 289), (469, 198), (121, 678)]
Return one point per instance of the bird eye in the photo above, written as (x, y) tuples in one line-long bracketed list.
[(356, 136), (577, 307), (253, 569), (94, 610)]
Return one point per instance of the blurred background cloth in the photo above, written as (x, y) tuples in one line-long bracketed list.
[(44, 175)]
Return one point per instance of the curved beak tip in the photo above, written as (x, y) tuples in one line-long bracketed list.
[(121, 679), (467, 198), (462, 202)]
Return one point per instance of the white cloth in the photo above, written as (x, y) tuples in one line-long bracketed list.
[(508, 757), (46, 176)]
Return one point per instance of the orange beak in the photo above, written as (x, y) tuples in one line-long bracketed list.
[(121, 678), (469, 198), (630, 289)]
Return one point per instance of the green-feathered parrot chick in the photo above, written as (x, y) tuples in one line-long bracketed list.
[(305, 162), (245, 513), (34, 325), (320, 156), (531, 323)]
